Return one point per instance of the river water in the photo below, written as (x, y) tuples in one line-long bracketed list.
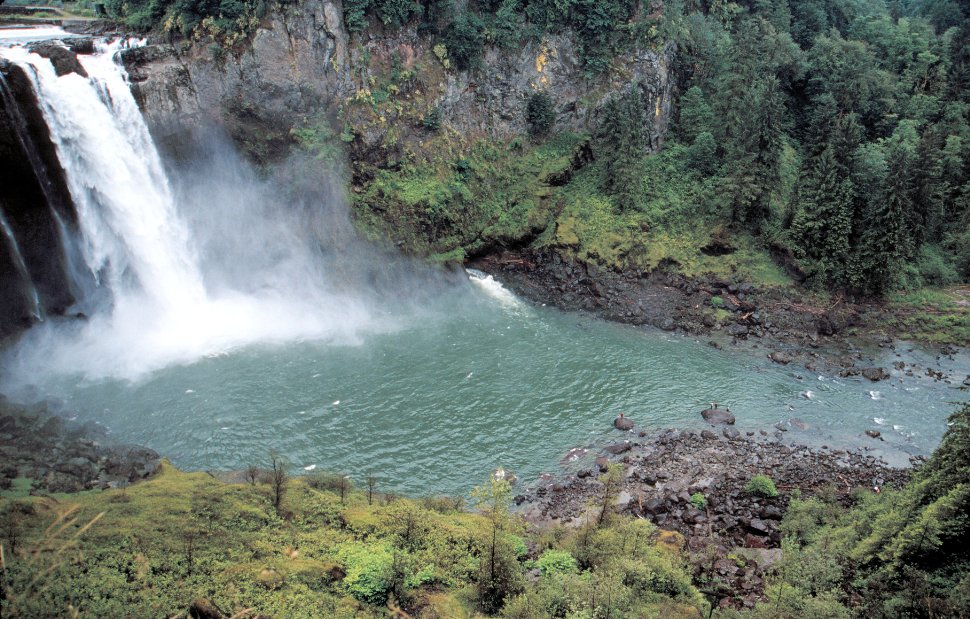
[(481, 380)]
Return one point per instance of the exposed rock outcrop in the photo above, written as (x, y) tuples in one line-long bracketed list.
[(64, 60), (302, 63)]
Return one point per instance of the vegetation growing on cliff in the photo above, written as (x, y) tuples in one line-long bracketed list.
[(155, 547)]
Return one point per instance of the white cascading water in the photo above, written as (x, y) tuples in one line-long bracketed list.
[(124, 204), (144, 251)]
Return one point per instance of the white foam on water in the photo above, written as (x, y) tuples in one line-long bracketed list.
[(494, 289)]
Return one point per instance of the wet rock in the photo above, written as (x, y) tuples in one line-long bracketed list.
[(730, 433), (782, 357), (798, 424), (623, 423), (64, 60), (602, 463), (874, 434), (875, 374), (737, 330), (717, 416), (618, 448)]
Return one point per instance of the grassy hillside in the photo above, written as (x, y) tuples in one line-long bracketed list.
[(152, 549)]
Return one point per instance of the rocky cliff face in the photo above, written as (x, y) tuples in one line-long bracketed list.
[(302, 63)]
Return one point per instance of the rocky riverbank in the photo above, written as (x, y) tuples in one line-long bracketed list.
[(792, 327), (56, 454), (694, 483)]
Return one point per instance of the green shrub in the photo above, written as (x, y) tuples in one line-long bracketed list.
[(717, 301), (698, 500), (432, 120), (355, 15), (703, 154), (518, 546), (396, 13), (540, 113), (761, 485), (935, 269), (557, 562), (369, 569)]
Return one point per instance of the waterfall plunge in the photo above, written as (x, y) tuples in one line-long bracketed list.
[(195, 270)]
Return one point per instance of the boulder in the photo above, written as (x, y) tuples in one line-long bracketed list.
[(602, 463), (797, 423), (64, 60), (618, 448), (717, 416), (622, 423), (759, 526), (782, 357), (874, 434), (875, 374), (654, 506)]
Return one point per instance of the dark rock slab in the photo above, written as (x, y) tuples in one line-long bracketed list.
[(875, 374), (623, 423), (782, 357), (718, 416), (64, 60)]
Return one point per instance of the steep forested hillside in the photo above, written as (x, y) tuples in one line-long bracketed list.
[(833, 132)]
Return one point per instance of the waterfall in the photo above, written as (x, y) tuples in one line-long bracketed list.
[(133, 235), (189, 261)]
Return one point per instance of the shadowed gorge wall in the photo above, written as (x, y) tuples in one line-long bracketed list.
[(32, 189)]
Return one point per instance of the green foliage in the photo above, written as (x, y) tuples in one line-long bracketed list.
[(703, 154), (396, 13), (355, 15), (465, 40), (621, 143), (179, 535), (761, 485), (540, 113), (432, 120), (696, 115), (368, 569), (553, 562), (498, 574), (698, 500)]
